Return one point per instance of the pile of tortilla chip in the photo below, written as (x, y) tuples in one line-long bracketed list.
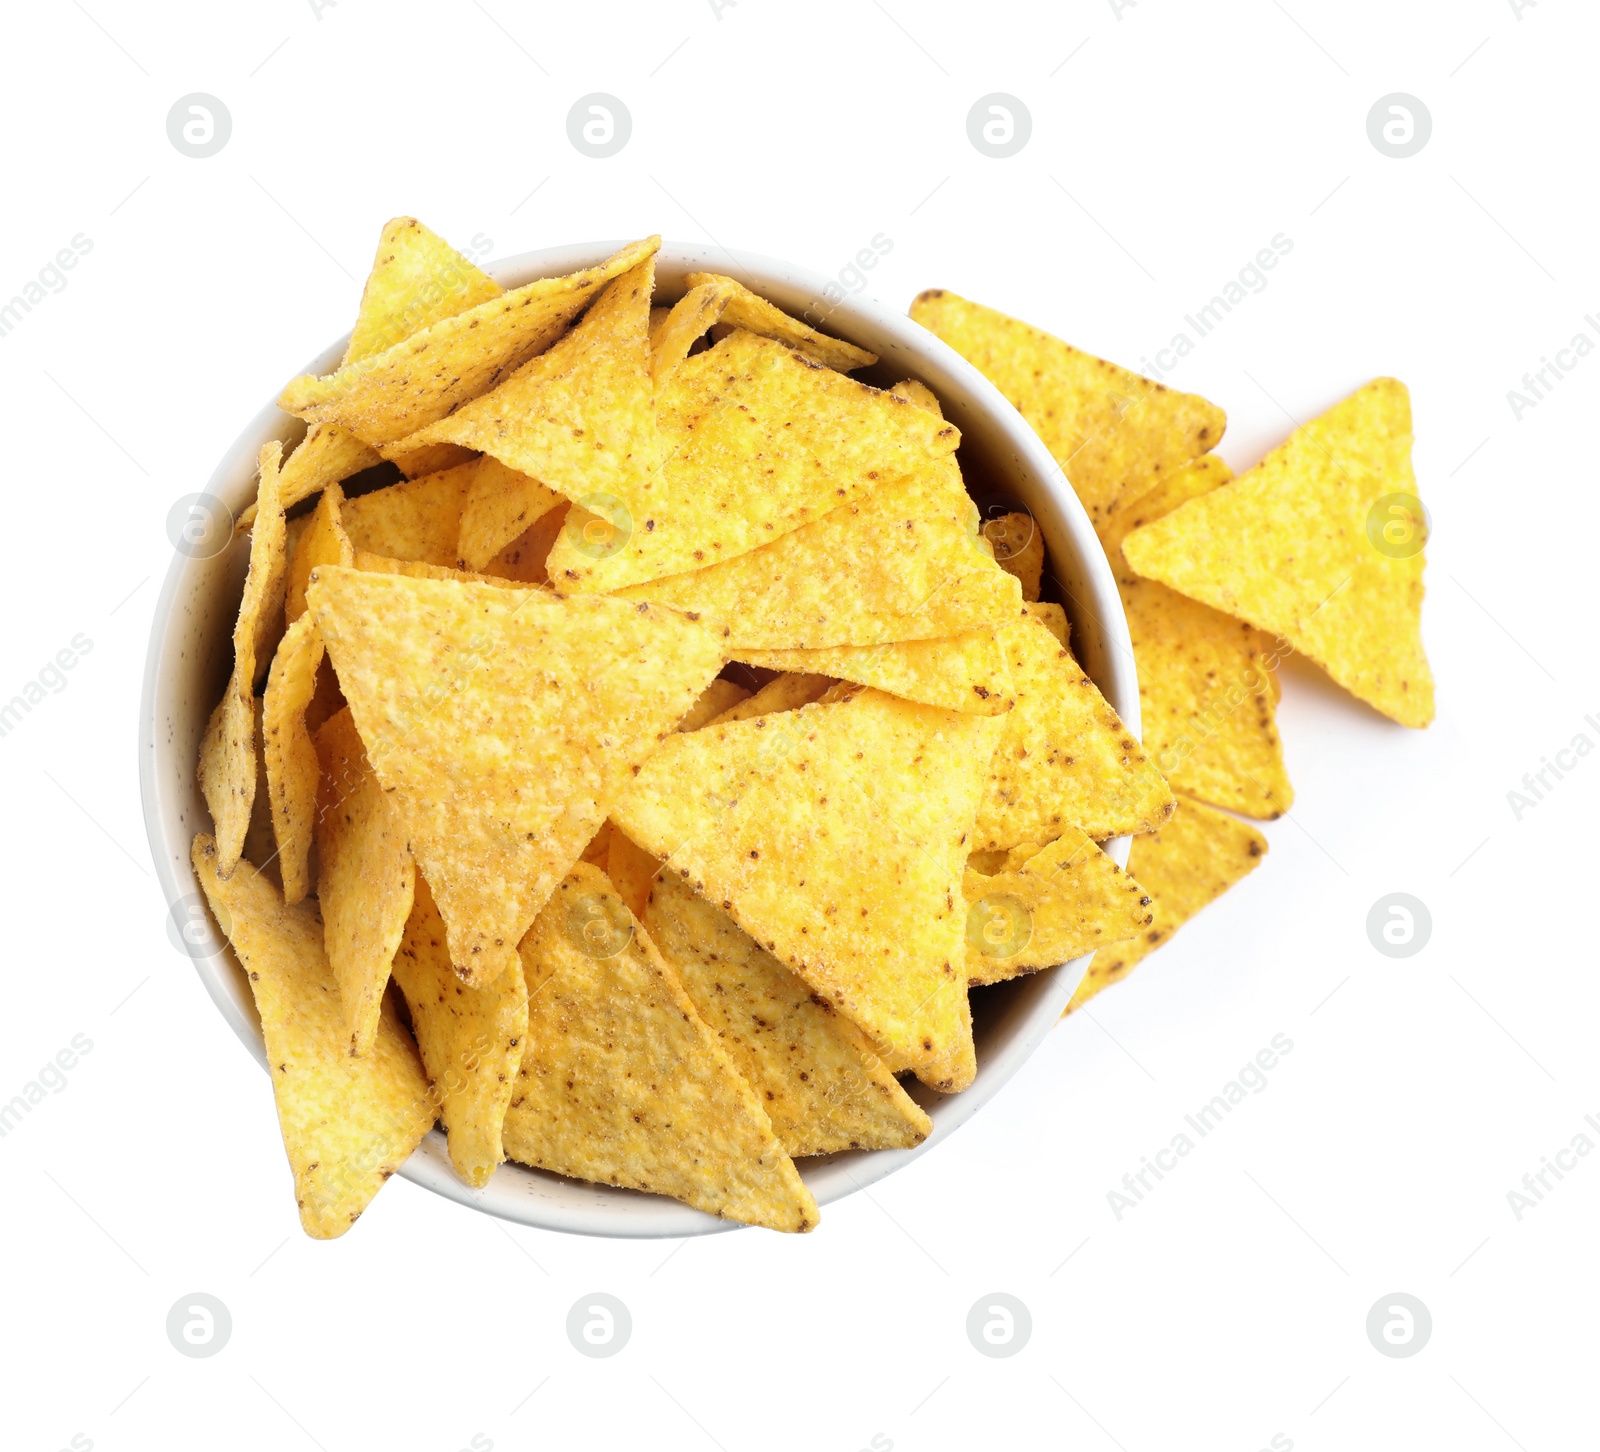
[(1316, 551), (638, 751)]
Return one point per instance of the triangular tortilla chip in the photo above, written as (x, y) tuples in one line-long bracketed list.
[(621, 1082), (964, 672), (366, 876), (757, 441), (522, 561), (721, 695), (227, 766), (438, 368), (1018, 549), (502, 720), (1206, 681), (1191, 861), (1054, 619), (500, 505), (900, 564), (817, 1075), (579, 417), (1113, 432), (419, 519), (1047, 906), (326, 455), (787, 692), (1065, 759), (682, 324), (348, 1123), (471, 1039), (291, 755), (1298, 547), (417, 280), (836, 836), (745, 309), (322, 542)]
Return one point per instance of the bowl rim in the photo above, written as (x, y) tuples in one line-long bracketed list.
[(531, 1197)]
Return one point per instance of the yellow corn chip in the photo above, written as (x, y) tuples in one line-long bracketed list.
[(1207, 690), (686, 321), (522, 561), (417, 280), (1049, 907), (1192, 860), (757, 441), (745, 309), (817, 1075), (501, 721), (471, 1039), (915, 391), (1018, 549), (428, 459), (500, 505), (348, 1123), (1113, 432), (782, 693), (366, 878), (836, 836), (632, 870), (1053, 618), (622, 1083), (438, 368), (959, 672), (717, 698), (579, 417), (326, 455), (291, 755), (322, 542), (227, 766), (260, 845), (898, 565), (1320, 544), (1065, 758), (419, 519)]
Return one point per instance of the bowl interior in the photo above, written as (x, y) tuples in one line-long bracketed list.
[(1003, 461)]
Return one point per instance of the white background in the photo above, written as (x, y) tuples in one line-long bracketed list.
[(1169, 145)]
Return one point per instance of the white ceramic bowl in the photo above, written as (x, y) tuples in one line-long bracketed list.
[(190, 656)]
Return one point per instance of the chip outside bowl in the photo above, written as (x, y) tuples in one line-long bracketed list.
[(190, 653)]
